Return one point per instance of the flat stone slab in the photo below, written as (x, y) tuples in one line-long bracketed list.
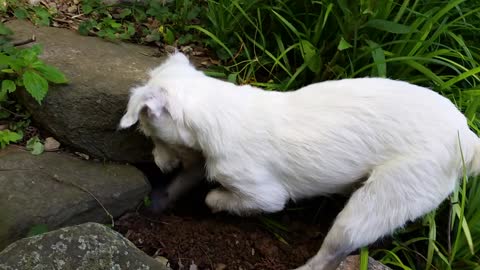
[(85, 113), (56, 190), (83, 247)]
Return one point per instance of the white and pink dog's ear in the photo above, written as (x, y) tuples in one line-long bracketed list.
[(142, 98)]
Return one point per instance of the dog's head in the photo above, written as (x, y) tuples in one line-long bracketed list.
[(158, 107)]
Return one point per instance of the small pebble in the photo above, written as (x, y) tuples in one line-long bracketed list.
[(51, 144)]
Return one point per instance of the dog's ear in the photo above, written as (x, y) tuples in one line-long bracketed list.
[(142, 99)]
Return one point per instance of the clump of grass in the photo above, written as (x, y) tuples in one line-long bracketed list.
[(289, 44)]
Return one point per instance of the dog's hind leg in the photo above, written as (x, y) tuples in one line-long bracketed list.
[(396, 192)]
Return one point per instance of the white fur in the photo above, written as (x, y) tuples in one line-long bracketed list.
[(265, 148)]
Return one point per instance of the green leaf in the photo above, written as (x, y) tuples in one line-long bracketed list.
[(8, 86), (36, 85), (35, 146), (343, 45), (37, 48), (115, 24), (232, 77), (85, 27), (42, 16), (388, 26), (193, 13), (29, 56), (87, 9), (184, 39), (169, 36), (310, 55), (20, 13), (52, 74), (7, 137)]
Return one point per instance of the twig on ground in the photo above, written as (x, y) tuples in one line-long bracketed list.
[(62, 20), (76, 16), (24, 42)]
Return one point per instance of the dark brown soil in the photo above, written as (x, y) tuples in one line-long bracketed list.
[(191, 234)]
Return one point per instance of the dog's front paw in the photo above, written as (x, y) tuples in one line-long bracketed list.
[(217, 200)]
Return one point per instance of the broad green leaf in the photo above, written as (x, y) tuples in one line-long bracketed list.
[(8, 86), (115, 24), (310, 55), (42, 16), (343, 45), (388, 26), (86, 26), (169, 36), (28, 56), (87, 9), (20, 13), (37, 48), (7, 137), (52, 74), (35, 84), (232, 77), (35, 146)]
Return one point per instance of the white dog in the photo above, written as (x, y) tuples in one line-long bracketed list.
[(265, 148)]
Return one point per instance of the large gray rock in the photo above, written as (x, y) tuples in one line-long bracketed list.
[(84, 114), (56, 190), (84, 247)]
